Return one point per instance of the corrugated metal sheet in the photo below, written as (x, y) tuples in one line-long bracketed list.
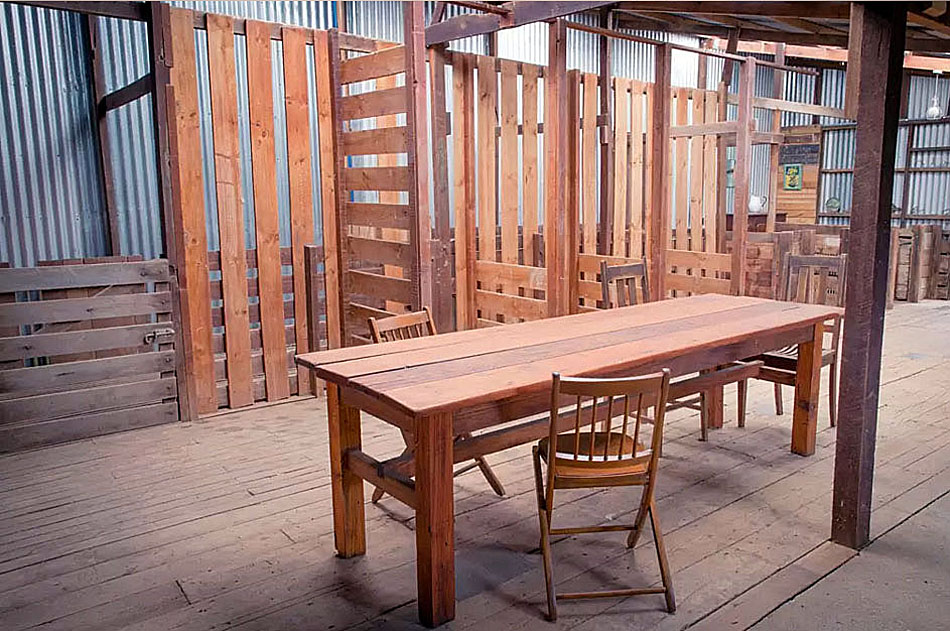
[(50, 197)]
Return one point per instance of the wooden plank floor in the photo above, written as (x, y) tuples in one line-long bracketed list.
[(226, 523)]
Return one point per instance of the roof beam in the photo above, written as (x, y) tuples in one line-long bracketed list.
[(835, 55), (122, 10), (518, 13), (840, 10)]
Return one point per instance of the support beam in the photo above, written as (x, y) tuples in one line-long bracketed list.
[(420, 233), (518, 14), (559, 232), (879, 31), (778, 92), (606, 137), (442, 237), (659, 225), (743, 175), (132, 92)]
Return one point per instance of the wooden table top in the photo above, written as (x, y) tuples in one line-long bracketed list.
[(456, 370)]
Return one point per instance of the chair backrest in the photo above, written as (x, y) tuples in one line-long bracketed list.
[(600, 401), (402, 327), (624, 279), (815, 279)]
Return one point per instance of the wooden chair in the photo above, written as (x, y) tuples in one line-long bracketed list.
[(685, 392), (810, 279), (584, 457), (409, 326)]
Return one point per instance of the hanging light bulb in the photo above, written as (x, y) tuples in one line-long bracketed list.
[(935, 111)]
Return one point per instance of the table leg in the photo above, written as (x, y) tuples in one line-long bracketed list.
[(807, 379), (714, 401), (435, 520), (349, 519)]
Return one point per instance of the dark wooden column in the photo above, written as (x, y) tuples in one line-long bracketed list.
[(875, 59)]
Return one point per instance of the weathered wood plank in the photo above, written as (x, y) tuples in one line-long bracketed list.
[(266, 223), (230, 208), (508, 156), (487, 119), (377, 178), (87, 275), (376, 141), (463, 146), (386, 62), (58, 376), (82, 341), (529, 155), (386, 287), (43, 407), (621, 170), (373, 104), (76, 309)]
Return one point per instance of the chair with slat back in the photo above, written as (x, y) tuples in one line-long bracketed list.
[(585, 457), (408, 326), (620, 281), (810, 279)]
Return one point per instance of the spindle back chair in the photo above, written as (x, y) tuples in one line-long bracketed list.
[(587, 457), (408, 326)]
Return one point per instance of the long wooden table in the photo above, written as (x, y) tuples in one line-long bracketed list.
[(443, 386)]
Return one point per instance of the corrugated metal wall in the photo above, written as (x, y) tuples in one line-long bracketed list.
[(50, 197)]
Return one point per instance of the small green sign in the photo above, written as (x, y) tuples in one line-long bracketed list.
[(792, 177)]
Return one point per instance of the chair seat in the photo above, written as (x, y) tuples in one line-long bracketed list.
[(591, 462)]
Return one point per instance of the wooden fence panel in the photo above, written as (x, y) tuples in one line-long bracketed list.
[(85, 358)]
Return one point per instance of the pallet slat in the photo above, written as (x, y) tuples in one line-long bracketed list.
[(91, 275), (373, 104), (77, 309), (386, 62)]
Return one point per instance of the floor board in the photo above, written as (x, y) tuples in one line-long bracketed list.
[(226, 523)]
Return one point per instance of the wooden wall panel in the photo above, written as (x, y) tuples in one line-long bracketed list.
[(486, 168), (529, 157), (508, 159)]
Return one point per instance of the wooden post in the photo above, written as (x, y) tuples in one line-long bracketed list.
[(463, 147), (97, 90), (326, 124), (188, 338), (559, 243), (420, 233), (659, 225), (442, 238), (905, 182), (346, 488), (743, 172), (312, 259), (606, 139), (723, 93), (877, 31), (778, 89)]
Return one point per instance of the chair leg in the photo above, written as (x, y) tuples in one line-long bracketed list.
[(778, 400), (661, 558), (493, 480), (743, 388), (544, 522), (833, 393), (703, 417), (638, 522)]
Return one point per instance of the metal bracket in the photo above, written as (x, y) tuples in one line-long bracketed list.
[(152, 336)]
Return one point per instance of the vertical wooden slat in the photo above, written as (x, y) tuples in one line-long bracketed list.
[(877, 36), (529, 158), (696, 176), (660, 193), (636, 182), (621, 172), (417, 121), (227, 173), (296, 103), (648, 167), (710, 175), (269, 282), (442, 255), (572, 208), (559, 244), (326, 126), (743, 172), (487, 94), (606, 148), (463, 146), (189, 210), (589, 164), (682, 171), (508, 198), (778, 85), (389, 197)]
